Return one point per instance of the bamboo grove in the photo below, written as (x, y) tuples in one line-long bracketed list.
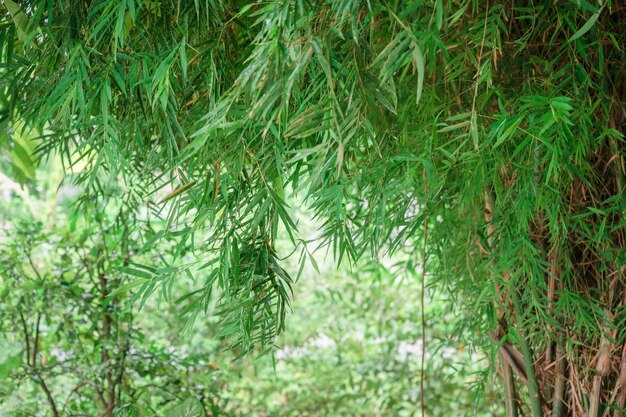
[(496, 126)]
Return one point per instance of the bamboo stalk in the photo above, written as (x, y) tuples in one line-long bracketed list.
[(618, 163), (558, 399), (510, 395), (620, 387), (603, 365), (533, 389), (550, 350), (512, 357), (594, 403)]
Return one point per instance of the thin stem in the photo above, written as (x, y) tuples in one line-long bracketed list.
[(26, 337), (46, 390), (105, 358), (33, 364), (32, 264), (36, 343), (423, 318)]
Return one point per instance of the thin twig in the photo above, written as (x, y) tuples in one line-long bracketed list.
[(36, 343), (26, 337), (423, 287), (32, 265), (33, 364)]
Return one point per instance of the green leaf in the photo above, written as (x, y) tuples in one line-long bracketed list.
[(127, 287), (19, 18), (439, 14), (183, 60), (135, 272), (587, 26), (418, 58), (167, 270)]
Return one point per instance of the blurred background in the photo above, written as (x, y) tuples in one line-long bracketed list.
[(75, 341)]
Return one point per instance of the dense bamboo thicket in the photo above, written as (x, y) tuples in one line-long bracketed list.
[(495, 126)]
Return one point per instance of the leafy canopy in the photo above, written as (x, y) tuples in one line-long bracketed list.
[(504, 120)]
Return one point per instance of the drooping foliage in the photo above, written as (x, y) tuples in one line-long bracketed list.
[(492, 129), (73, 342)]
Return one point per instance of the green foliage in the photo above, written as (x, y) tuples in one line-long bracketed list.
[(351, 348), (503, 119), (20, 152), (362, 358), (72, 339), (189, 408)]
